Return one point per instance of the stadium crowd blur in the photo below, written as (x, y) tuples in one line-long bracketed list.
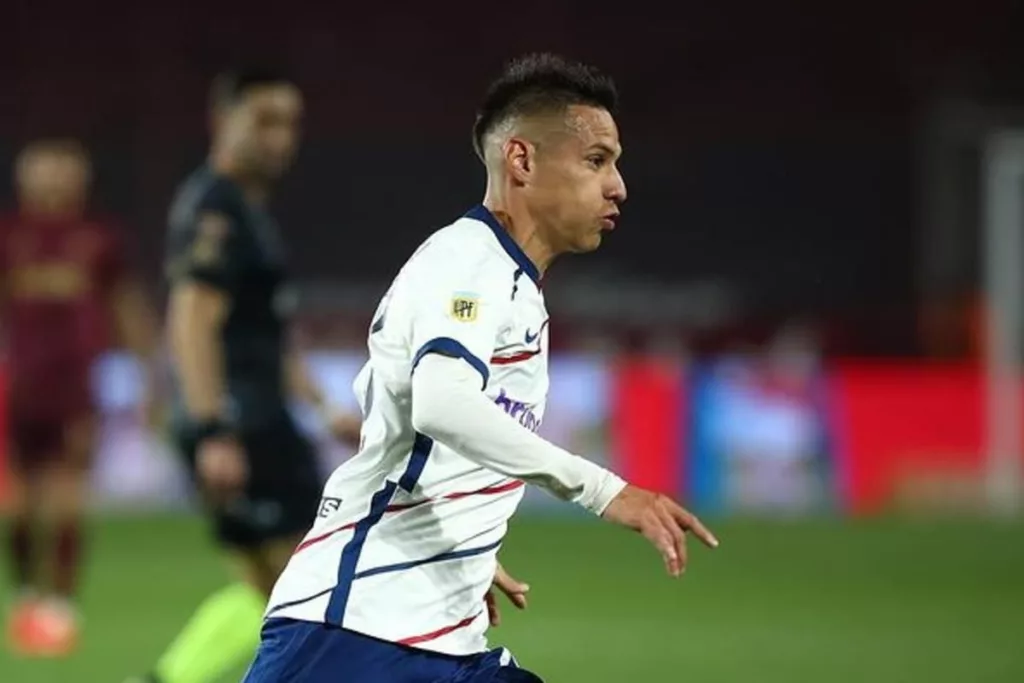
[(805, 189), (766, 193)]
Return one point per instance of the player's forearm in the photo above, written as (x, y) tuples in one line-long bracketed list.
[(197, 352), (200, 369), (447, 406)]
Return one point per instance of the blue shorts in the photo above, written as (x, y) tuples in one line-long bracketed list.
[(303, 652)]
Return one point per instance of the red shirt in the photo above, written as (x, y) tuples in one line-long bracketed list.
[(58, 276)]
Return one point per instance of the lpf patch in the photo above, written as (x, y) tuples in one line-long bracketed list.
[(464, 307), (211, 229)]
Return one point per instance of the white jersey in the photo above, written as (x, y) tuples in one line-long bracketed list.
[(405, 544)]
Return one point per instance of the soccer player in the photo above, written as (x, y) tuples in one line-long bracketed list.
[(68, 295), (392, 583), (236, 374)]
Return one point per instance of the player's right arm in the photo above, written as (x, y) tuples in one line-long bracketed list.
[(196, 314), (204, 272), (449, 371)]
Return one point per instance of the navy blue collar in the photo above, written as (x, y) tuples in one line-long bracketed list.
[(483, 214)]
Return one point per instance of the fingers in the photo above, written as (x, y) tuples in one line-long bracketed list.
[(665, 524), (674, 541), (504, 581), (661, 529), (662, 521), (514, 590), (689, 522), (493, 613), (517, 599)]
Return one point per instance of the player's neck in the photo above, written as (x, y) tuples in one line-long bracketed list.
[(255, 189), (523, 230)]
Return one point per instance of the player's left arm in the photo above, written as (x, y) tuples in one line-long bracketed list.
[(343, 425)]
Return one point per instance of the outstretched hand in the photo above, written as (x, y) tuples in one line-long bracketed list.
[(662, 522), (514, 590)]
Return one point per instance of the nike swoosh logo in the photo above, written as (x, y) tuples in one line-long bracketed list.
[(530, 338)]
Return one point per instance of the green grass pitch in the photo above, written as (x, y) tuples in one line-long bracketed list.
[(822, 602)]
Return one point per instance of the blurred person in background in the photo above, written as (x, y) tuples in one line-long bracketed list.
[(236, 373), (68, 295), (770, 426)]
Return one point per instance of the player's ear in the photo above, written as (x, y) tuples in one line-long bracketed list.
[(519, 159)]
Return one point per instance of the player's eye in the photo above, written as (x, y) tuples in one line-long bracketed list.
[(597, 160)]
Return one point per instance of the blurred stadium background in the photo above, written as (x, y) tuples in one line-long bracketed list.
[(808, 325)]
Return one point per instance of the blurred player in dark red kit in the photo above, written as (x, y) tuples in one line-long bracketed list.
[(67, 296)]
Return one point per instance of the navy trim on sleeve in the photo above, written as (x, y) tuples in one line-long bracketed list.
[(447, 346)]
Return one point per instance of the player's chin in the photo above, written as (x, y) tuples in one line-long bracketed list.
[(586, 244), (592, 241)]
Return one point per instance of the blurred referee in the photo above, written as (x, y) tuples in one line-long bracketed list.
[(228, 324)]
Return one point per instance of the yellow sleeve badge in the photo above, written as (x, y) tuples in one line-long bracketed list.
[(208, 246), (464, 307)]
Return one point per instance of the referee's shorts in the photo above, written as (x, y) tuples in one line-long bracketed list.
[(282, 492)]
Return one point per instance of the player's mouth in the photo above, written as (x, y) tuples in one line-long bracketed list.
[(609, 220)]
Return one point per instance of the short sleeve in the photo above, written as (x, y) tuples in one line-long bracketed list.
[(457, 310), (207, 249)]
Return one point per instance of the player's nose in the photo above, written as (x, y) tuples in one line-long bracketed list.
[(616, 190)]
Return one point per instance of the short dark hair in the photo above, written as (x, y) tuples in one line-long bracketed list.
[(541, 83), (229, 87)]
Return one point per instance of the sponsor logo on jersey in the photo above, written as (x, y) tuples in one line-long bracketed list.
[(518, 410)]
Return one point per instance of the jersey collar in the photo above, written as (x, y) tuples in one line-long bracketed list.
[(483, 214)]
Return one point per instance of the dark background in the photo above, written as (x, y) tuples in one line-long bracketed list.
[(775, 151)]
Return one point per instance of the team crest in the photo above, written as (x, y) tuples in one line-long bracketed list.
[(464, 307), (211, 230)]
